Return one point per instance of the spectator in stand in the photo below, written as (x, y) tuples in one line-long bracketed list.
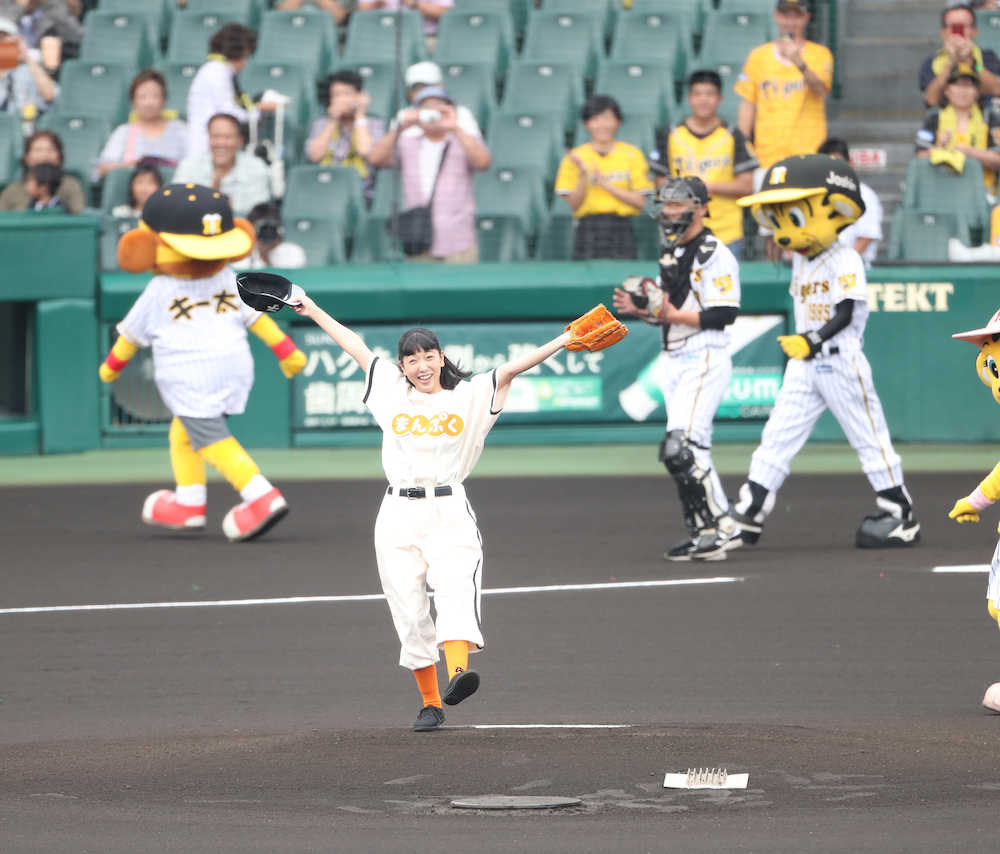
[(146, 180), (151, 132), (241, 176), (41, 183), (43, 146), (960, 129), (864, 234), (25, 87), (426, 73), (441, 159), (271, 249), (605, 183), (431, 10), (346, 134), (338, 11), (783, 87), (958, 39), (215, 88), (705, 146), (47, 25)]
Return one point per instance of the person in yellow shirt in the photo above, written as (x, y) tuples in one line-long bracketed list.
[(705, 146), (605, 182), (783, 87)]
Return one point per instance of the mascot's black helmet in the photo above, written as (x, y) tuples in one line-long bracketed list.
[(806, 175), (196, 221)]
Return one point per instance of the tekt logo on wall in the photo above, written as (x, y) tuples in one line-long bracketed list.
[(909, 296)]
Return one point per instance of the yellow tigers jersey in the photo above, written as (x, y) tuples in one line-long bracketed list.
[(718, 155), (789, 118), (625, 165)]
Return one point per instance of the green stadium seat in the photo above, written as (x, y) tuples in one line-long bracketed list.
[(516, 10), (244, 12), (471, 84), (479, 37), (372, 241), (639, 87), (637, 129), (655, 37), (11, 147), (730, 36), (287, 78), (759, 7), (516, 191), (540, 87), (599, 9), (555, 239), (118, 37), (528, 139), (307, 38), (941, 190), (692, 12), (190, 33), (322, 240), (99, 87), (988, 23), (158, 13), (179, 76), (83, 136), (572, 37), (918, 235), (112, 228), (501, 238), (332, 193), (371, 37), (647, 237)]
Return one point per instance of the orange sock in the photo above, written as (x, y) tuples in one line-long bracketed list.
[(456, 655), (427, 682)]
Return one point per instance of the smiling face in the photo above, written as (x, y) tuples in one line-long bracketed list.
[(988, 365), (423, 369)]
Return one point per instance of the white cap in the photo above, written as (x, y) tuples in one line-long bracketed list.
[(427, 73), (8, 26)]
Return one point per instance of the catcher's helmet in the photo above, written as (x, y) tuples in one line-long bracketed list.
[(678, 189), (267, 291)]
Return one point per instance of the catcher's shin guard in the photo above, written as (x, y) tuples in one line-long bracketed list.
[(750, 510), (694, 484)]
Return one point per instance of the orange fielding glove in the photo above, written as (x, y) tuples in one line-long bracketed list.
[(291, 359), (595, 330), (112, 367)]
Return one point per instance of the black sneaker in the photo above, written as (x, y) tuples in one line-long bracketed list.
[(430, 718), (462, 685), (682, 551), (713, 545)]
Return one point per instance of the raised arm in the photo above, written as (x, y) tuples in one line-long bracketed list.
[(347, 339), (508, 370)]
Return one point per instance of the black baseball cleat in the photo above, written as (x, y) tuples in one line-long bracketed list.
[(462, 685), (682, 551), (429, 719), (885, 531), (713, 545), (750, 531)]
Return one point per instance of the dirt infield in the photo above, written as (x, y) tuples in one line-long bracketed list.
[(846, 682)]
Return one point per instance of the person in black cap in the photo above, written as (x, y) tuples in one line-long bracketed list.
[(958, 46), (191, 315), (694, 298)]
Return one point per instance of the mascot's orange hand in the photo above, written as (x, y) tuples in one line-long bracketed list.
[(795, 346), (292, 363), (963, 512)]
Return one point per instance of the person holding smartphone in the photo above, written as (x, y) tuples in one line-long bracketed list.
[(958, 47)]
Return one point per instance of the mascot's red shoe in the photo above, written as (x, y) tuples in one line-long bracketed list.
[(253, 518), (162, 509)]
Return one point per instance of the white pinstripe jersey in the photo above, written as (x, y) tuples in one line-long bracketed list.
[(197, 329), (715, 281), (818, 284), (429, 439)]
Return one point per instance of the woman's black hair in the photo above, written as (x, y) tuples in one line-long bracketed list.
[(142, 168), (421, 340)]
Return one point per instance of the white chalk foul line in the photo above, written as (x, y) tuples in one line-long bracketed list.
[(961, 568), (368, 597), (543, 726)]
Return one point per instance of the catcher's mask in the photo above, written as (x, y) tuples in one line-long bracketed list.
[(267, 291), (687, 191)]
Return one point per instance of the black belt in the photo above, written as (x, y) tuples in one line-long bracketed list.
[(420, 492), (833, 351)]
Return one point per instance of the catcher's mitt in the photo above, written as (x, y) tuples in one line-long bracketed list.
[(645, 294), (595, 330)]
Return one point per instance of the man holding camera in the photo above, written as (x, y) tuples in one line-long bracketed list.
[(25, 87), (958, 47), (346, 134)]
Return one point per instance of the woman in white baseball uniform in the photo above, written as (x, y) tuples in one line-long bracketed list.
[(434, 420)]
